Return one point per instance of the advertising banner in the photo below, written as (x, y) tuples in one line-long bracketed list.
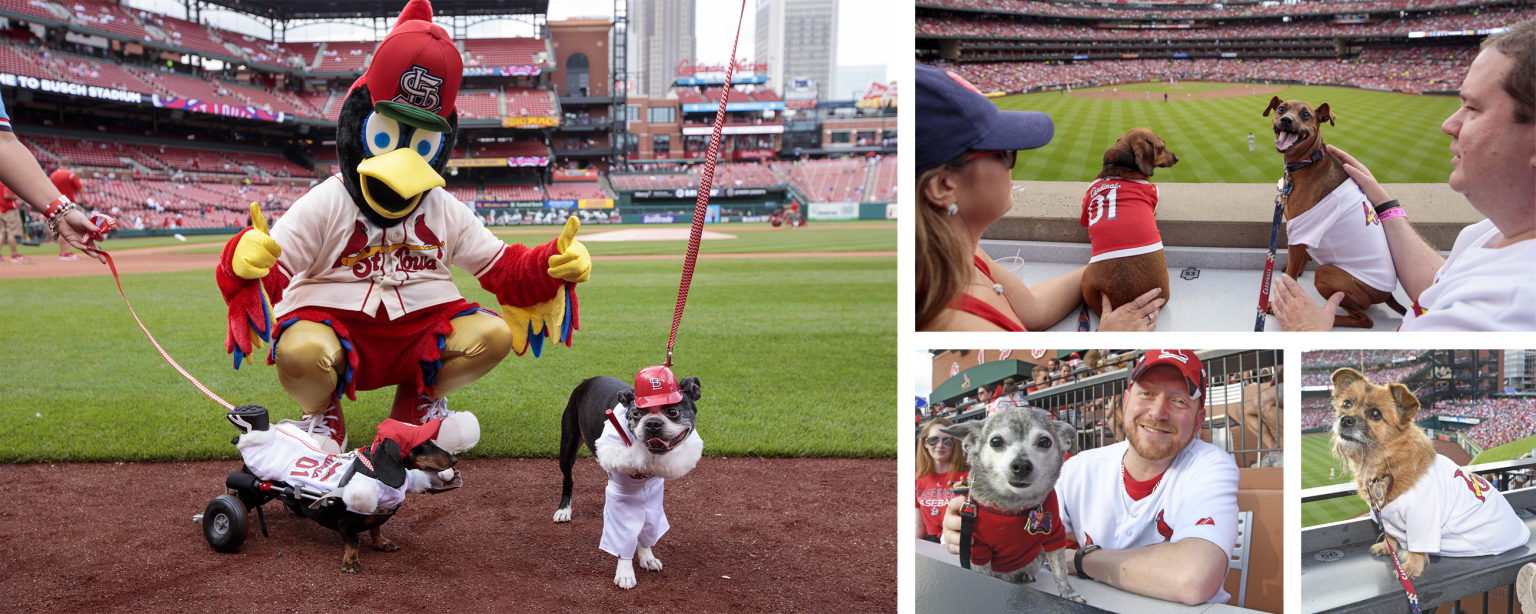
[(63, 87), (500, 71), (878, 95), (800, 94), (477, 162), (711, 107), (686, 69), (834, 211), (595, 203), (213, 108), (560, 204), (529, 122), (694, 193), (737, 80), (706, 130), (575, 174), (752, 154), (658, 218), (528, 161)]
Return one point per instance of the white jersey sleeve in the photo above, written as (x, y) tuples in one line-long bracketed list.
[(1479, 288), (1423, 522), (1207, 495), (301, 235), (475, 248)]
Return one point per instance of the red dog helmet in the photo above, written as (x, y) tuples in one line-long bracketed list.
[(656, 386)]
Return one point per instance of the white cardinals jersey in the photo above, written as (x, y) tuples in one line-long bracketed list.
[(1196, 497), (1453, 512), (336, 258), (1342, 230), (290, 455), (1478, 288)]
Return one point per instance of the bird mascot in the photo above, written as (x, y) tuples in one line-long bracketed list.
[(352, 290)]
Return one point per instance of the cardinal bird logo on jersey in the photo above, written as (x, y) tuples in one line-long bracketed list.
[(1476, 483), (354, 247), (1162, 527), (1039, 522), (427, 237), (1087, 540), (1370, 214)]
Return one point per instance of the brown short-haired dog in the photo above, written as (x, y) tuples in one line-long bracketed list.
[(1316, 176), (1118, 212)]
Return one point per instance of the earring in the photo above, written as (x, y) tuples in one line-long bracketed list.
[(953, 208)]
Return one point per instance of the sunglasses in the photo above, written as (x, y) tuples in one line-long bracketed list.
[(941, 441), (1009, 157)]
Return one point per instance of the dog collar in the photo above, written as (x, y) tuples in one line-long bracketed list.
[(1322, 150)]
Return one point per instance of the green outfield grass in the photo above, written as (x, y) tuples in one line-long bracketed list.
[(849, 239), (1508, 451), (797, 358), (1190, 87), (1315, 462), (1397, 136)]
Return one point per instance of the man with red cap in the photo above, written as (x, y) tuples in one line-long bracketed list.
[(633, 518), (354, 290), (1156, 514)]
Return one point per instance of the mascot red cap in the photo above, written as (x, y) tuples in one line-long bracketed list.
[(415, 73)]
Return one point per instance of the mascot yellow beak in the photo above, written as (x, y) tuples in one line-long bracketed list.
[(403, 171)]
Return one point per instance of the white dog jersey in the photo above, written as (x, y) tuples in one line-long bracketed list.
[(1342, 230), (290, 455), (632, 510), (1452, 512), (1478, 288), (1196, 497)]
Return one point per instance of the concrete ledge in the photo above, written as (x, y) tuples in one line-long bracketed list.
[(1214, 214)]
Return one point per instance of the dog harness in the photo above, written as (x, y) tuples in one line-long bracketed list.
[(979, 308), (1120, 215), (1009, 540), (1342, 230)]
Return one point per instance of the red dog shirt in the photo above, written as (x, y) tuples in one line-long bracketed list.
[(1011, 540), (1119, 215)]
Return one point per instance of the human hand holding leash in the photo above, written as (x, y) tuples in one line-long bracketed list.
[(77, 229), (1136, 316), (1362, 177), (951, 536), (1296, 311)]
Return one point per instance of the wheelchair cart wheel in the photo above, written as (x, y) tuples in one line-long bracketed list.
[(224, 523)]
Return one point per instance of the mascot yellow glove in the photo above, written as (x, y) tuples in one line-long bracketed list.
[(573, 263), (256, 252), (535, 322)]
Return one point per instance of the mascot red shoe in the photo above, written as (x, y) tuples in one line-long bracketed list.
[(352, 290)]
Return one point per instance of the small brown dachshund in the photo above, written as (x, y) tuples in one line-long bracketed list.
[(1119, 212), (1354, 241)]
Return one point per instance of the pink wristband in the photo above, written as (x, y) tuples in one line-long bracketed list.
[(1391, 213)]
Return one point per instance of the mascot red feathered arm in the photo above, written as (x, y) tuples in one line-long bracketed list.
[(250, 287), (536, 288)]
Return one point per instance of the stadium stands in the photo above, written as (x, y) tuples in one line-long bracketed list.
[(100, 74), (499, 52), (662, 181), (509, 149), (189, 36), (107, 17), (465, 193), (828, 180), (509, 193), (528, 102), (479, 104), (574, 190), (84, 153), (35, 8), (346, 55), (22, 62), (746, 175), (269, 164), (885, 181), (172, 84)]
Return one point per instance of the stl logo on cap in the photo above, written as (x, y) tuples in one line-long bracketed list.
[(961, 80), (419, 89), (1179, 356), (655, 383)]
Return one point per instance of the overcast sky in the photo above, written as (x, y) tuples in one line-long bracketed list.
[(867, 30), (923, 366)]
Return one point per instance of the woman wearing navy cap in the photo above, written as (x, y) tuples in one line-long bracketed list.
[(965, 156)]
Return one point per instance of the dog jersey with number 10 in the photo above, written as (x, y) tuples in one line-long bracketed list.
[(1120, 215), (290, 455)]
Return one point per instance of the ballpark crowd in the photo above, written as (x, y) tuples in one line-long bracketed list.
[(1505, 419)]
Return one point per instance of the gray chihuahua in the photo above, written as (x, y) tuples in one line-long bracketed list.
[(1015, 457)]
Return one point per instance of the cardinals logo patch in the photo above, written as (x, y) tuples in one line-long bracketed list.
[(1087, 540), (1370, 214), (1476, 484), (1039, 522), (1162, 527), (419, 88)]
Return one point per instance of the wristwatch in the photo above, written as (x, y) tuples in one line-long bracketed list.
[(1078, 560)]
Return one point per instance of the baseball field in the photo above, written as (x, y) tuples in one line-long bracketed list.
[(1508, 451), (1397, 136), (1315, 462), (792, 332)]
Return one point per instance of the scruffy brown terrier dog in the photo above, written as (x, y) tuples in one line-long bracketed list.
[(1374, 434)]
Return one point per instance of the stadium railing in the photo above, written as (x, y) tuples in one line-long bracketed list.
[(1339, 574), (1093, 404)]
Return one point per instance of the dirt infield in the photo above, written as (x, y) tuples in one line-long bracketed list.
[(1231, 92), (748, 535), (164, 260), (1452, 451)]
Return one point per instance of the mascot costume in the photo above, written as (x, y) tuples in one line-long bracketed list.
[(352, 291)]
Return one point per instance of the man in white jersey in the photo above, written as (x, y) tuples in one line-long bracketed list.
[(1488, 283), (1155, 515)]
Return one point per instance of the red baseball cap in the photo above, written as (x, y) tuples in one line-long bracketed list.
[(1183, 360), (415, 73), (656, 386)]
